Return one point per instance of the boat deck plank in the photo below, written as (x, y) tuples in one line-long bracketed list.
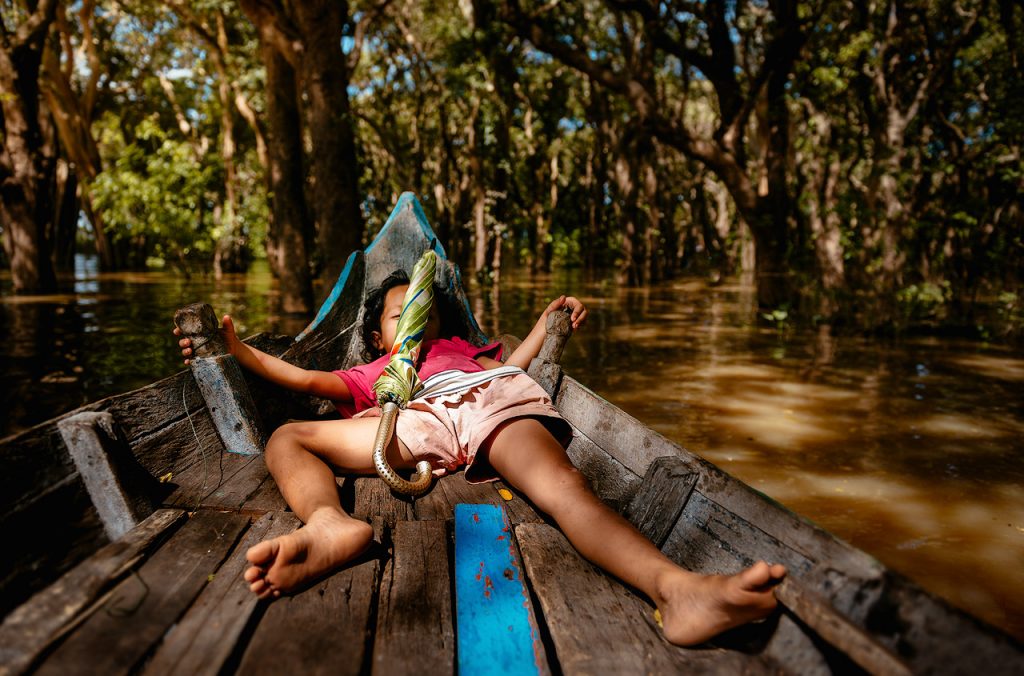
[(221, 481), (324, 629), (372, 497), (598, 626), (203, 640), (34, 625), (390, 612), (415, 632), (120, 633)]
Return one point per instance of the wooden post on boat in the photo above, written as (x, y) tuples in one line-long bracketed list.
[(220, 381), (545, 367), (117, 485)]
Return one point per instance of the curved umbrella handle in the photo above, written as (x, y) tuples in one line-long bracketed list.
[(420, 480)]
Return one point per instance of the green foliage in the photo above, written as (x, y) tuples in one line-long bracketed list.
[(156, 192), (925, 301)]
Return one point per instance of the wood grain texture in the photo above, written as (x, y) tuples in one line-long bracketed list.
[(628, 440), (325, 629), (46, 538), (609, 478), (519, 509), (599, 627), (708, 538), (661, 498), (118, 487), (222, 481), (451, 490), (415, 632), (374, 498), (28, 630), (119, 633), (266, 498), (203, 640)]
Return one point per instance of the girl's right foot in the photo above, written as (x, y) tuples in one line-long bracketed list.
[(328, 540)]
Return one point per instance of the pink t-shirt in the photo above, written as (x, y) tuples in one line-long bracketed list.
[(443, 354)]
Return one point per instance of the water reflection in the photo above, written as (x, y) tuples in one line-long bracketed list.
[(913, 450)]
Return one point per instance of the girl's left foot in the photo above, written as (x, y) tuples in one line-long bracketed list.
[(695, 607)]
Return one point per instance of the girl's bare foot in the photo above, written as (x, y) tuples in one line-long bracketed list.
[(695, 608), (328, 540)]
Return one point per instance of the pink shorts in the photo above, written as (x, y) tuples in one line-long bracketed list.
[(448, 430)]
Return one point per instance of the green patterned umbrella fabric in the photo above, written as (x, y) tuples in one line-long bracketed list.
[(399, 382)]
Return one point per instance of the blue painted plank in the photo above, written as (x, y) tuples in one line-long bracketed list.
[(496, 634)]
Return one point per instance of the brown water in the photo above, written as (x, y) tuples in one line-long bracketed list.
[(910, 450)]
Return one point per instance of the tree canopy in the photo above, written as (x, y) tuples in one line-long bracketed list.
[(861, 161)]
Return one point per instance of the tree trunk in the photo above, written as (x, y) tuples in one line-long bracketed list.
[(72, 113), (27, 160), (229, 253), (66, 210), (334, 169), (286, 237)]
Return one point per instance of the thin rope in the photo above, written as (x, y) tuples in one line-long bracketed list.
[(199, 447), (124, 612), (115, 611)]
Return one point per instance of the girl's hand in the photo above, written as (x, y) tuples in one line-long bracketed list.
[(575, 305), (227, 331)]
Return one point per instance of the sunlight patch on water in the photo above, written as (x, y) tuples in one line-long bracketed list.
[(1002, 368), (958, 427)]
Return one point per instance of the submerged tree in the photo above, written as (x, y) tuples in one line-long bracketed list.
[(28, 161)]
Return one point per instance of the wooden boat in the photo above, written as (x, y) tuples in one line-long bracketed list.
[(125, 525)]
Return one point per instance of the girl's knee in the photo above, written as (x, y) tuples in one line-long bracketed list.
[(285, 439)]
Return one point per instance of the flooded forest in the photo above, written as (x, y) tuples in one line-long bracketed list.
[(798, 226)]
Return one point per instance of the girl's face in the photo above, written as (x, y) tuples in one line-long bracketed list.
[(385, 338)]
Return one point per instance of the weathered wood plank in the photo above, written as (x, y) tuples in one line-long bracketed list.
[(174, 447), (154, 424), (621, 435), (230, 404), (266, 498), (415, 632), (598, 627), (203, 640), (141, 609), (519, 509), (374, 498), (609, 478), (708, 538), (119, 488), (497, 629), (225, 482), (33, 460), (848, 638), (46, 538), (661, 498), (28, 630), (448, 491), (325, 629)]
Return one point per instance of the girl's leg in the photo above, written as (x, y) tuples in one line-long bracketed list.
[(693, 607), (300, 457)]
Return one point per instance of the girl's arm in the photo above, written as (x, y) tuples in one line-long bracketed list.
[(530, 347), (317, 383)]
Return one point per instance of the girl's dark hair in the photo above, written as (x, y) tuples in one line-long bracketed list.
[(373, 308)]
